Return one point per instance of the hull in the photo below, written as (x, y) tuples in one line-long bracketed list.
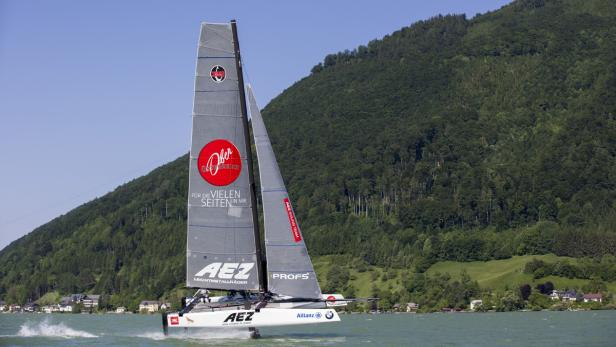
[(265, 317)]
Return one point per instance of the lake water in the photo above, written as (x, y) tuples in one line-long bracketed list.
[(589, 328)]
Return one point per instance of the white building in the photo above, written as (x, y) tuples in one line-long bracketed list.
[(412, 307), (593, 297), (120, 309), (149, 306), (66, 308), (50, 308), (90, 301), (475, 304)]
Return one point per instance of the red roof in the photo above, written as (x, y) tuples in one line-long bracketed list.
[(593, 296)]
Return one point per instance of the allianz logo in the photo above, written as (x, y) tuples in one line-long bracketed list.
[(238, 271), (316, 315), (284, 276)]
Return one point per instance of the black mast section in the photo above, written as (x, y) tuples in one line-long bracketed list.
[(251, 176)]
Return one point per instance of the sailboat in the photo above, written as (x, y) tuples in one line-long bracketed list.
[(224, 251)]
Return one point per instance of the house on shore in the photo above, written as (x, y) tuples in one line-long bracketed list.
[(31, 307), (569, 295), (149, 306), (120, 309), (475, 304), (14, 308), (412, 307), (51, 308), (90, 301), (77, 298), (3, 306), (593, 297)]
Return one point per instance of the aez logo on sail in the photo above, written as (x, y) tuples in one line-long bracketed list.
[(225, 273)]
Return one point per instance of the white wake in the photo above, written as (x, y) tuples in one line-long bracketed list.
[(45, 328), (195, 334)]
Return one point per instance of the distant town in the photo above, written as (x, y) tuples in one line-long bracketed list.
[(90, 303), (82, 303)]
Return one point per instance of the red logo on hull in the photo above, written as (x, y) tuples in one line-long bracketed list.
[(174, 320), (219, 162), (297, 236)]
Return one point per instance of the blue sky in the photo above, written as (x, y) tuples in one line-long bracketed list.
[(96, 93)]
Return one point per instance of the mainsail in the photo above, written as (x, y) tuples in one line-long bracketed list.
[(222, 250), (289, 268)]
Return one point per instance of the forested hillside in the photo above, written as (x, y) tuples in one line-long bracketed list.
[(452, 139)]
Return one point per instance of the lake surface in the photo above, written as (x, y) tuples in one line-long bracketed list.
[(588, 328)]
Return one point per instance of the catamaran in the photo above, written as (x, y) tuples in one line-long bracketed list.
[(224, 251)]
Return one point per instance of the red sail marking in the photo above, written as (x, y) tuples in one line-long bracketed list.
[(219, 162), (297, 236)]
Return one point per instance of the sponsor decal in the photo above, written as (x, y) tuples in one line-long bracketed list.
[(283, 276), (225, 273), (329, 315), (331, 298), (297, 236), (239, 318), (316, 315), (219, 162), (218, 73), (221, 198), (174, 320)]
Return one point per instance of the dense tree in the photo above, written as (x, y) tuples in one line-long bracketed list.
[(525, 291)]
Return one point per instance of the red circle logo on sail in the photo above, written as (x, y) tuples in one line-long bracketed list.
[(219, 162), (218, 73)]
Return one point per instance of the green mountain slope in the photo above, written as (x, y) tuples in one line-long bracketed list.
[(452, 139)]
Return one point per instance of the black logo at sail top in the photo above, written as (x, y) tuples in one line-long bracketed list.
[(217, 73)]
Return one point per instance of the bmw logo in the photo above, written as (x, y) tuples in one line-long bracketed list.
[(317, 315), (329, 315)]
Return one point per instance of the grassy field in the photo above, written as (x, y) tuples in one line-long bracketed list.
[(493, 274), (362, 281), (500, 274)]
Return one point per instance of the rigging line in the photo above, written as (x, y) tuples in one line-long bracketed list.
[(48, 207), (249, 85)]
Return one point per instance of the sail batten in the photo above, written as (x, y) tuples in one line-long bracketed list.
[(289, 269)]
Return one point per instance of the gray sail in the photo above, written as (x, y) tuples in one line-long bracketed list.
[(220, 245), (289, 268)]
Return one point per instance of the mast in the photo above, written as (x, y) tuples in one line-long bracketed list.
[(251, 176)]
